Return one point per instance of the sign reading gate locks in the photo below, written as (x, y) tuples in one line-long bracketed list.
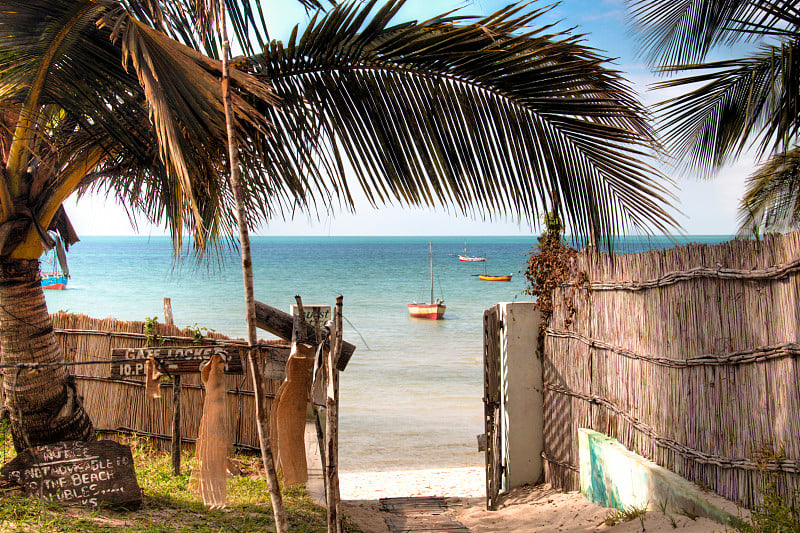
[(128, 362)]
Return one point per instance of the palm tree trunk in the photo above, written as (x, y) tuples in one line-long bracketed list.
[(262, 422), (43, 403)]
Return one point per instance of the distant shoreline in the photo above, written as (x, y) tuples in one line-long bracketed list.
[(534, 233)]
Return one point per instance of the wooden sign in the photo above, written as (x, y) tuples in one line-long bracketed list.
[(279, 323), (127, 362), (273, 362), (324, 313), (98, 473)]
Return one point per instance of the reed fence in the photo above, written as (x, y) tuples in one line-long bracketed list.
[(689, 357), (120, 406)]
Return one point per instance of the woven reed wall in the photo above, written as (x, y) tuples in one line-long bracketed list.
[(120, 406), (688, 356)]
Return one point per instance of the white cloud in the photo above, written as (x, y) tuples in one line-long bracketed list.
[(95, 215)]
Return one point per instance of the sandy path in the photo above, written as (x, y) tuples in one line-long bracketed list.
[(537, 509)]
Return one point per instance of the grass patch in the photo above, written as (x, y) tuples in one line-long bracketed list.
[(775, 515), (169, 504), (626, 514), (778, 513)]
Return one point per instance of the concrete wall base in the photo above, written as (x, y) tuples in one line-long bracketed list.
[(613, 476)]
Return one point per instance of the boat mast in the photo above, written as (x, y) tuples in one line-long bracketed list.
[(431, 245)]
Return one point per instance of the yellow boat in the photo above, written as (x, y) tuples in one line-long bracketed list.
[(487, 277)]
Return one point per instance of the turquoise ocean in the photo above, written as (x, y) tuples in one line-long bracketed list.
[(411, 395)]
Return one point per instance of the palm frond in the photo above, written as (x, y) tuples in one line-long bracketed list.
[(194, 22), (152, 104), (739, 103), (487, 115), (685, 31), (771, 202)]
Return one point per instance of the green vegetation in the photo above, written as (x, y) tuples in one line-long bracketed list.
[(550, 265), (169, 503), (151, 330), (199, 332), (626, 514), (777, 514)]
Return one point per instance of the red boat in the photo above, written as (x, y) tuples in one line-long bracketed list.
[(432, 311)]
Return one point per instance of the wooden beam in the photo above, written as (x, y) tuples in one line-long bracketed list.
[(279, 323)]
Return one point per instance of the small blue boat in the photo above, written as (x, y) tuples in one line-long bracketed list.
[(53, 266)]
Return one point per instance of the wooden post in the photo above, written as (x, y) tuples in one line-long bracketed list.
[(262, 417), (332, 422), (321, 444), (168, 312), (314, 407), (176, 424), (176, 402)]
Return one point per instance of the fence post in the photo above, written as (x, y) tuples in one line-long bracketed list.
[(176, 402), (332, 422)]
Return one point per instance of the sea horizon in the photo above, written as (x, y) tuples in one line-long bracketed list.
[(411, 396)]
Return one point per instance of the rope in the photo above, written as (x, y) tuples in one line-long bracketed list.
[(556, 462), (139, 433), (189, 386), (756, 355), (207, 341), (33, 366), (788, 465), (767, 274)]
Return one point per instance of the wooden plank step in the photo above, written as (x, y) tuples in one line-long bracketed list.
[(420, 514), (413, 504), (423, 524)]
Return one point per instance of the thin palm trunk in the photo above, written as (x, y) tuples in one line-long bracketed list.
[(262, 423), (43, 403)]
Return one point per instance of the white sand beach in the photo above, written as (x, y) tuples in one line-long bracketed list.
[(465, 482), (537, 509)]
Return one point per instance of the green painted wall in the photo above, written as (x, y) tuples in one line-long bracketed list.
[(613, 476)]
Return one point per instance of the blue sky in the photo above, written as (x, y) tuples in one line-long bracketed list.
[(706, 206)]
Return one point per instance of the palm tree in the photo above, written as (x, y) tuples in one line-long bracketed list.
[(732, 105), (123, 97)]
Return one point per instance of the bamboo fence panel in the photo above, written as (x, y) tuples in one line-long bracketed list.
[(120, 405), (688, 356)]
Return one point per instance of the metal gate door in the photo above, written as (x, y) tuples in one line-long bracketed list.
[(491, 404)]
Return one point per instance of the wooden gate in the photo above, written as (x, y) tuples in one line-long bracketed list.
[(491, 404)]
